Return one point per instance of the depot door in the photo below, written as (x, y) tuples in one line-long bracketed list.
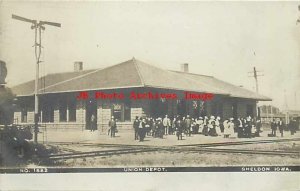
[(90, 109)]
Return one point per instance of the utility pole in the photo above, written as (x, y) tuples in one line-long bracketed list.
[(287, 108), (298, 21), (38, 26), (255, 75)]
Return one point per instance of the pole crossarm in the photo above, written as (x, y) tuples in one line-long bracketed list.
[(255, 75), (50, 23), (35, 23), (23, 19)]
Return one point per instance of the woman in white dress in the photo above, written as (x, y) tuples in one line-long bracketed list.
[(231, 127), (226, 128), (200, 123), (218, 129)]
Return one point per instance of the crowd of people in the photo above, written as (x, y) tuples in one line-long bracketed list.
[(208, 126)]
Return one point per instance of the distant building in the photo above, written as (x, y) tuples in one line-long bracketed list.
[(59, 107), (291, 114), (269, 112)]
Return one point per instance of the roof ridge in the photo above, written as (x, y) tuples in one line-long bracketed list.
[(138, 71)]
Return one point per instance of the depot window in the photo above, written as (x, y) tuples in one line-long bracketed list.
[(48, 113), (63, 110), (121, 111), (72, 110)]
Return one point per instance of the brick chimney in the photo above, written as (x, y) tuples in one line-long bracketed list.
[(78, 66), (184, 67)]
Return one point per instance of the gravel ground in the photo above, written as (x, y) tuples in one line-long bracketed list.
[(177, 159)]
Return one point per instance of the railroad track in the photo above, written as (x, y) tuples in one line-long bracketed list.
[(145, 150), (99, 153), (199, 150), (239, 143), (244, 151)]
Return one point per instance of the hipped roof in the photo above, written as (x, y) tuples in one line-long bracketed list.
[(130, 74)]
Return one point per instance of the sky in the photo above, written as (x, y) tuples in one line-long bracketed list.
[(222, 39)]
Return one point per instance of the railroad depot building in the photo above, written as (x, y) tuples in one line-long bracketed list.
[(61, 104)]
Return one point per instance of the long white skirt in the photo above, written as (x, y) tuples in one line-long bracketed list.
[(201, 128), (227, 131), (218, 130)]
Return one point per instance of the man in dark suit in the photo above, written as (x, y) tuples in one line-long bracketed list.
[(188, 124), (273, 128), (136, 128), (239, 125), (258, 127), (113, 126), (248, 127), (179, 128), (93, 123), (293, 126)]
